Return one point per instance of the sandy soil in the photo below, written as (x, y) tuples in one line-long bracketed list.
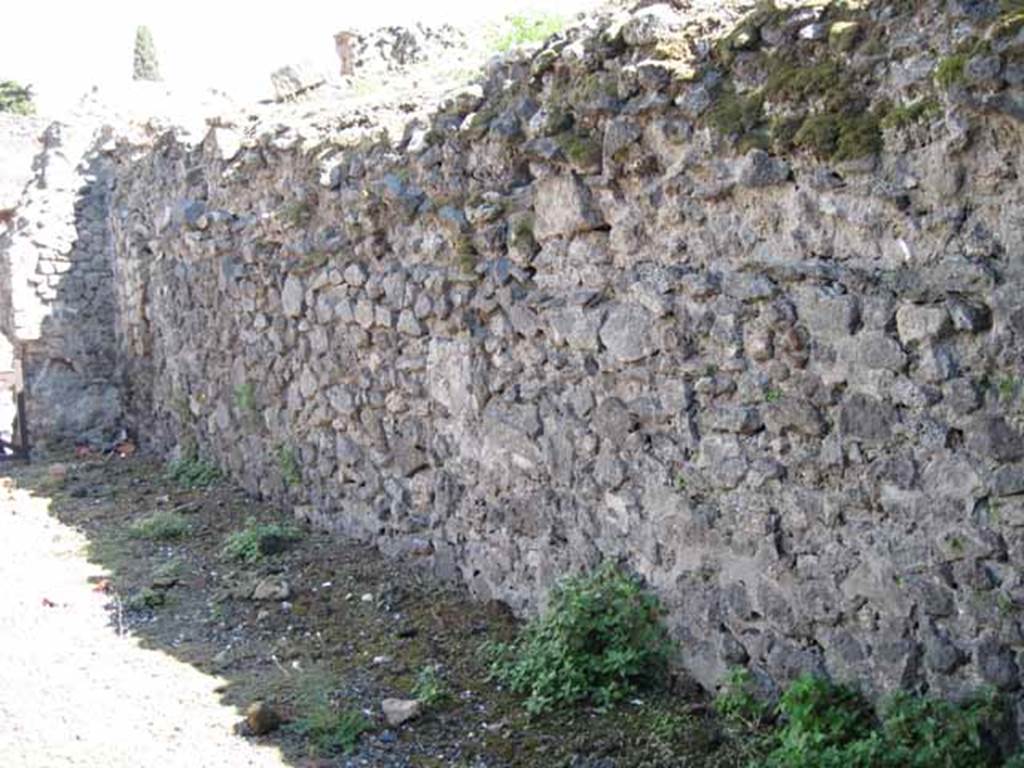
[(75, 692)]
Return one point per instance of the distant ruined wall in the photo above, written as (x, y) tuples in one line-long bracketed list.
[(591, 311), (56, 291)]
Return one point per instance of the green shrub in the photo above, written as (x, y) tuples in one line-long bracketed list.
[(825, 725), (831, 726), (923, 732), (257, 540), (600, 639), (430, 686), (16, 98), (160, 526), (193, 473)]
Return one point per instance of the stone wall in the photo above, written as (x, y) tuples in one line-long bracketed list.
[(56, 291), (594, 309)]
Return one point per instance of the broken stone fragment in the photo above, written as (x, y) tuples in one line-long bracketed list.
[(398, 711), (272, 588)]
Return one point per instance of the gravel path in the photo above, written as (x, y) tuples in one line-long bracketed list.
[(73, 692)]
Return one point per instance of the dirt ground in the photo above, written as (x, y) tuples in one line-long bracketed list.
[(138, 647)]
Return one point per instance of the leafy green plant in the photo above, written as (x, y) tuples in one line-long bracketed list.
[(16, 98), (327, 728), (193, 473), (160, 526), (288, 465), (257, 540), (826, 725), (921, 732), (737, 701), (430, 687), (527, 29), (600, 639)]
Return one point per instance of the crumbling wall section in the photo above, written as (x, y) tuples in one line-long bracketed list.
[(57, 304)]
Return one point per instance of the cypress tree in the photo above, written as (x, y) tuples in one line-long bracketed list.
[(145, 66)]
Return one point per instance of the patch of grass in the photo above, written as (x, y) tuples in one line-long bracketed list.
[(160, 526), (600, 640), (736, 115), (906, 115), (801, 82), (288, 465), (950, 70), (859, 136), (773, 395), (327, 728), (430, 688), (582, 150), (669, 727), (840, 136), (527, 29), (258, 540), (193, 473)]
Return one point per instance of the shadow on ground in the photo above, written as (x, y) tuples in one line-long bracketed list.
[(316, 628)]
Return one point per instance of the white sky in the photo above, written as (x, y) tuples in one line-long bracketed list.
[(64, 47)]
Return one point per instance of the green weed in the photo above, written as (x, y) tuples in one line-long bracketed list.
[(257, 540), (826, 725), (288, 464), (193, 473), (160, 526), (327, 729), (600, 639), (245, 398), (430, 687), (737, 701)]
